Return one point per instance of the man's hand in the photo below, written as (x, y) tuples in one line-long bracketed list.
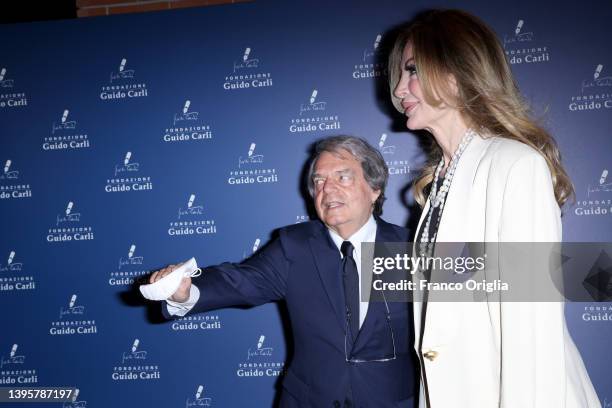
[(182, 293)]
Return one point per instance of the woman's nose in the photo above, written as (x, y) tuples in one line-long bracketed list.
[(401, 89)]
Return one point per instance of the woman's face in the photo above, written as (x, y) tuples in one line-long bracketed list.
[(421, 115)]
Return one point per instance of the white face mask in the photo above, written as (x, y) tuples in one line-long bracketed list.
[(166, 286)]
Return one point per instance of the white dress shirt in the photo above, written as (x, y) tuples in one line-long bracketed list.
[(181, 308), (367, 233)]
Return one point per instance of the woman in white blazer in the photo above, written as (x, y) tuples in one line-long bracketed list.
[(494, 176)]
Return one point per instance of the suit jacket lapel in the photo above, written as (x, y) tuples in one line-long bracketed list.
[(455, 218), (456, 205), (417, 303), (327, 260)]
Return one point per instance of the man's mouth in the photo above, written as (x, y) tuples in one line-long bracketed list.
[(333, 205)]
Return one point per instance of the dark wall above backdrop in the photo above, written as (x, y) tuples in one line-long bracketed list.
[(23, 12)]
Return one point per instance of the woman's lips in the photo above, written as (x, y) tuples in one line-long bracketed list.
[(408, 107)]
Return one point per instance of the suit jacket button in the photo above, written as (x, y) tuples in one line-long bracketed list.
[(336, 404), (430, 355)]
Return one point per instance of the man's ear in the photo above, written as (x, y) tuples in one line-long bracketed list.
[(375, 195)]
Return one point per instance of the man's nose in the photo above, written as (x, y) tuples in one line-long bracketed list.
[(329, 185)]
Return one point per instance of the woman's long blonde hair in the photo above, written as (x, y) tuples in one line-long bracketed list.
[(453, 43)]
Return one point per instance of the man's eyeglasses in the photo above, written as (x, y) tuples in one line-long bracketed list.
[(391, 337)]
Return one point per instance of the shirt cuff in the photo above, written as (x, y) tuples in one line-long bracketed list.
[(182, 308)]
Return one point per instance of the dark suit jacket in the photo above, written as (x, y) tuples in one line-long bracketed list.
[(303, 267)]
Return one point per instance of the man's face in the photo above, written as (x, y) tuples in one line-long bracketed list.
[(343, 198)]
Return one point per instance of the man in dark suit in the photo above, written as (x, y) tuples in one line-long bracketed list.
[(348, 352)]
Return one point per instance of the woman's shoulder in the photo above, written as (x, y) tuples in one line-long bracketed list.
[(503, 155), (503, 150), (510, 149)]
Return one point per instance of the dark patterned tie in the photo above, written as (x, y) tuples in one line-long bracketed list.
[(350, 278)]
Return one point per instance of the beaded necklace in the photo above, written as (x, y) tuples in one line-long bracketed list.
[(437, 197)]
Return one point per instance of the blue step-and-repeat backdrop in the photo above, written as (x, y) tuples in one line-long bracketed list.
[(135, 141)]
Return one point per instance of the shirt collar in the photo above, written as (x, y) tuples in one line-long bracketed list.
[(367, 233)]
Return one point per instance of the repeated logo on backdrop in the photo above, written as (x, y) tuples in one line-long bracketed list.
[(123, 84), (196, 322), (595, 92), (397, 165), (8, 173), (10, 95), (11, 186), (69, 227), (129, 270), (128, 177), (75, 402), (73, 320), (597, 199), (199, 399), (11, 275), (523, 47), (369, 65), (247, 72), (5, 82), (187, 125), (135, 365), (65, 135), (190, 220), (314, 115), (251, 169), (260, 361), (14, 368)]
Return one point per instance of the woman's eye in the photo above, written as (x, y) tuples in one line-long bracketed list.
[(411, 68)]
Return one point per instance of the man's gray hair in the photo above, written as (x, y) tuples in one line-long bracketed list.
[(375, 170)]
